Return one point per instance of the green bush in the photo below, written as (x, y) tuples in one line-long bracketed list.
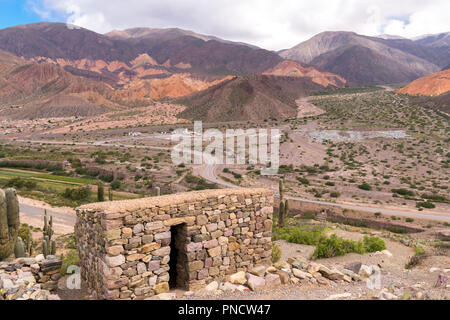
[(77, 194), (373, 244), (115, 185), (427, 205), (20, 183), (404, 192), (365, 186), (300, 236), (409, 220), (71, 259), (335, 246), (303, 181), (276, 253), (335, 194)]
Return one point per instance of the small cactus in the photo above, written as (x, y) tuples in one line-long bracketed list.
[(158, 191), (19, 248), (44, 248), (100, 193), (48, 245), (284, 205), (29, 244)]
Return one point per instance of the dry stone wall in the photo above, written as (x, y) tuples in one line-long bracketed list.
[(135, 249)]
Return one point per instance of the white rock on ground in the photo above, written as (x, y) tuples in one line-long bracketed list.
[(238, 278), (339, 296), (213, 286)]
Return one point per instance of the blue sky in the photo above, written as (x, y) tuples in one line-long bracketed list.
[(14, 12)]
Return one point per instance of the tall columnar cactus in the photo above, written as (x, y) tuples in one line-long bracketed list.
[(101, 193), (284, 205), (48, 245), (9, 222), (157, 191), (29, 243)]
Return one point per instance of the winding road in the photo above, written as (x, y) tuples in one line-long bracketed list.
[(208, 172)]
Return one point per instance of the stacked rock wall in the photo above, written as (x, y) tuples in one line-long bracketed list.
[(125, 246)]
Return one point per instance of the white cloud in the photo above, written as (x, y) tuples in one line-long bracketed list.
[(271, 24)]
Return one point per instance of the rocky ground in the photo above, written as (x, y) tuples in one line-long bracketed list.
[(30, 278)]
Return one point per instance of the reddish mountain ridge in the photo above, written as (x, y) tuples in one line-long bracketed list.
[(290, 68), (28, 88), (432, 85)]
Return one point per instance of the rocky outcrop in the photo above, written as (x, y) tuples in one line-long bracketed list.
[(30, 278)]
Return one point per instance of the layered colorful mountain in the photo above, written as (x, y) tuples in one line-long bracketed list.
[(433, 85), (290, 68)]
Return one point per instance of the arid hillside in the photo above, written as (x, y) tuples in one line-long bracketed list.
[(432, 85), (249, 98), (31, 90), (289, 68)]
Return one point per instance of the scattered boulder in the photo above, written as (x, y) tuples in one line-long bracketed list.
[(238, 278), (284, 276), (255, 282), (331, 274), (354, 267), (259, 271), (365, 271), (273, 280), (228, 287), (213, 286), (441, 281), (282, 265)]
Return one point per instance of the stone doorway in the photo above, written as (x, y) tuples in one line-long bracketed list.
[(178, 272)]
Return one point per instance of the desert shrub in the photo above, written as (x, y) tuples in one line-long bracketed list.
[(335, 194), (77, 194), (70, 259), (107, 178), (374, 244), (115, 185), (20, 183), (417, 259), (404, 192), (409, 220), (303, 181), (276, 253), (300, 236), (335, 246), (435, 197), (427, 205), (365, 186)]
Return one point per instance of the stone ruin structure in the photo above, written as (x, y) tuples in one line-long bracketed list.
[(135, 249)]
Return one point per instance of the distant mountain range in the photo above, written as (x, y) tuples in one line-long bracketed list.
[(170, 48), (372, 60), (61, 70)]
